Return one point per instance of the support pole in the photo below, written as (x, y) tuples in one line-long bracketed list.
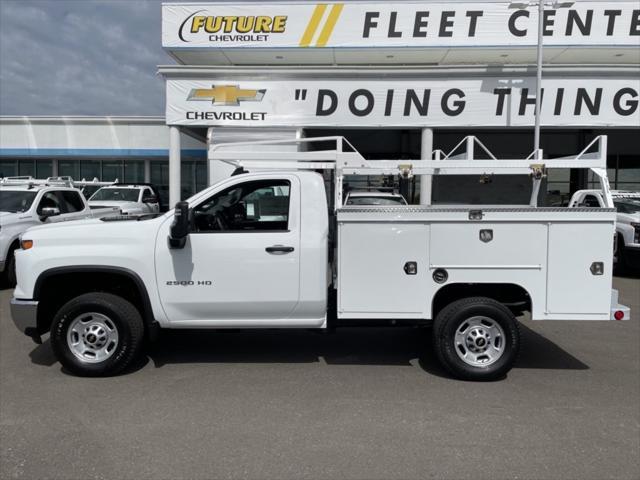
[(147, 171), (174, 166), (426, 149), (536, 129)]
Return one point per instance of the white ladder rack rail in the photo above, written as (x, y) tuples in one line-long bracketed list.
[(62, 181), (353, 163)]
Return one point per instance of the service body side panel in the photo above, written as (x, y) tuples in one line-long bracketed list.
[(546, 251)]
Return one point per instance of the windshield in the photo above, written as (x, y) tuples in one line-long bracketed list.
[(375, 201), (627, 205), (116, 195), (89, 190), (15, 201)]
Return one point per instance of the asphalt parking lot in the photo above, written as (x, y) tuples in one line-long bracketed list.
[(365, 404)]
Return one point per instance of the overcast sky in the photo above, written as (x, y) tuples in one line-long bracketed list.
[(81, 57)]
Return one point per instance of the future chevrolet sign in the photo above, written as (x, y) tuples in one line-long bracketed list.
[(395, 24)]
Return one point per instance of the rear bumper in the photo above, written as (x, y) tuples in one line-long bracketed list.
[(25, 316), (616, 307), (1, 265)]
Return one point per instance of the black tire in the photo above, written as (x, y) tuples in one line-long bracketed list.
[(123, 316), (10, 269), (621, 261), (451, 318)]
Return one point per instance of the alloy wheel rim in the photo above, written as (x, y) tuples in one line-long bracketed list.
[(479, 341), (92, 337)]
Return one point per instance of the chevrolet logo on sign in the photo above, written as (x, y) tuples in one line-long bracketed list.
[(227, 95)]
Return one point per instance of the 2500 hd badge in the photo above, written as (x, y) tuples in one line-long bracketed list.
[(188, 283)]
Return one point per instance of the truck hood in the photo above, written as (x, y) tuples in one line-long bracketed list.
[(78, 224), (93, 231), (628, 218), (125, 207), (11, 218)]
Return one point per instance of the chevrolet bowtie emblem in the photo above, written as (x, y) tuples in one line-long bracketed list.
[(226, 95)]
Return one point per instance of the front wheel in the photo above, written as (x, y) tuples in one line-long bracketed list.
[(476, 338), (10, 269), (97, 334)]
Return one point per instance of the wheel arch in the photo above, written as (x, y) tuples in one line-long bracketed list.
[(512, 295), (56, 286), (11, 247)]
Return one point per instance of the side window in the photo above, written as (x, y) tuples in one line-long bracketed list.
[(590, 201), (72, 201), (49, 200), (261, 205)]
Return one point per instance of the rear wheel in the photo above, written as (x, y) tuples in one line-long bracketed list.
[(97, 334), (476, 338)]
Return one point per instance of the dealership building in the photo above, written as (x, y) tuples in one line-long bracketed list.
[(397, 79)]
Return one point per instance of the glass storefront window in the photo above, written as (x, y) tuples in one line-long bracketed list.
[(160, 178), (27, 168), (8, 168), (89, 170), (44, 168), (112, 170), (69, 168), (133, 171)]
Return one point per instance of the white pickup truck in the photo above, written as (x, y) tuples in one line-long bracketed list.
[(627, 205), (26, 202), (266, 249), (130, 198)]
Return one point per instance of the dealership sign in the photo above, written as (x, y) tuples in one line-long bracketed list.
[(395, 24), (478, 101)]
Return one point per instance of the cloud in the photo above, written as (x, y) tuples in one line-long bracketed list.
[(81, 58)]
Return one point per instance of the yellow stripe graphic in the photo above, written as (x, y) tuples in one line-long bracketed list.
[(313, 25), (329, 25)]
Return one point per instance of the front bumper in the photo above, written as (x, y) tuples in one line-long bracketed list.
[(25, 317)]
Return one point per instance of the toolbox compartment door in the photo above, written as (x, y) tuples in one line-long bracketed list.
[(372, 279), (571, 285)]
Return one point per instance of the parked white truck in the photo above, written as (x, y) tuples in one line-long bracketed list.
[(627, 205), (238, 255), (130, 198), (26, 202)]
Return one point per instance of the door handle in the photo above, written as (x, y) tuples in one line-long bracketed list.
[(278, 250)]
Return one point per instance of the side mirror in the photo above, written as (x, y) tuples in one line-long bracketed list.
[(180, 226), (150, 199), (49, 212)]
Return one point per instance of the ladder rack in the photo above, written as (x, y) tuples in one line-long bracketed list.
[(344, 159), (63, 181)]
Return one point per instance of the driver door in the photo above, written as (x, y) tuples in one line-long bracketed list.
[(240, 265)]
